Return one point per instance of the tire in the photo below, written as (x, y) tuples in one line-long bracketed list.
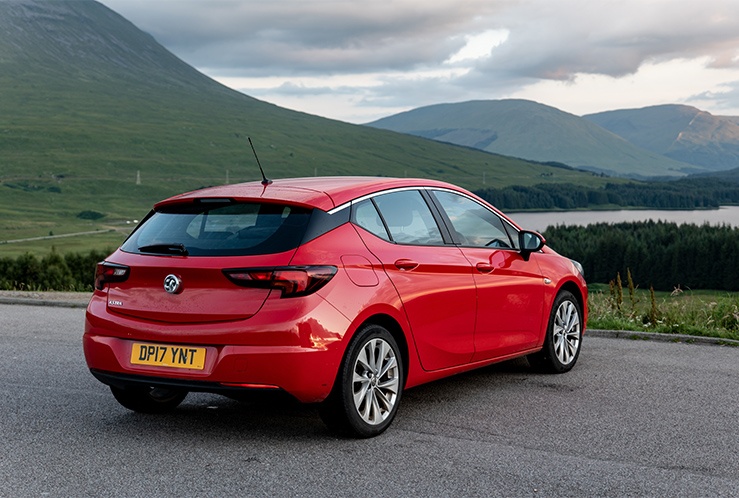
[(564, 337), (149, 399), (368, 387)]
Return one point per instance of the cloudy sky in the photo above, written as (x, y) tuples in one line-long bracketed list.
[(357, 61)]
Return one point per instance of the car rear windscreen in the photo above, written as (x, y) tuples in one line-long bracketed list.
[(220, 228)]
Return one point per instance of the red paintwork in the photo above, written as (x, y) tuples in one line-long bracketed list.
[(450, 314)]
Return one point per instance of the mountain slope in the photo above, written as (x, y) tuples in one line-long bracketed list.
[(680, 132), (727, 177), (95, 115), (529, 130)]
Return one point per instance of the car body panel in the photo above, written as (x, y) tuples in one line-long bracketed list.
[(291, 347), (510, 301), (446, 319), (206, 295)]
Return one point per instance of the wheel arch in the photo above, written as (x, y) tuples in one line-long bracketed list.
[(581, 296), (398, 334), (575, 290), (396, 330)]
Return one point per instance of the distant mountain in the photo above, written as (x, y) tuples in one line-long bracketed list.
[(679, 132), (533, 131), (95, 115)]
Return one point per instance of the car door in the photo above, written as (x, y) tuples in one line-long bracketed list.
[(433, 278), (510, 289)]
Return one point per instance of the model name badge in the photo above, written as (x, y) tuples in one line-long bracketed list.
[(115, 303)]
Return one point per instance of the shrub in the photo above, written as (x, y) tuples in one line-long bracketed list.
[(53, 272), (90, 215)]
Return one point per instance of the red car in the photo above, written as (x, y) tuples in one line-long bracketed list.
[(340, 291)]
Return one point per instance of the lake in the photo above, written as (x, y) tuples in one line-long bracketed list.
[(539, 221)]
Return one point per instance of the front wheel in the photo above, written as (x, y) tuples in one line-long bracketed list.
[(368, 387), (564, 336), (148, 399)]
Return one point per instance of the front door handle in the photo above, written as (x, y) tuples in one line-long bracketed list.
[(405, 264), (485, 267)]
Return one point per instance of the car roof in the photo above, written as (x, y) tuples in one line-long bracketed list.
[(324, 193)]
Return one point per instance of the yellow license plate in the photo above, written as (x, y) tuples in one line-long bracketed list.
[(164, 355)]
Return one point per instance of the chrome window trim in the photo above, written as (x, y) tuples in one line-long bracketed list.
[(401, 189), (370, 196)]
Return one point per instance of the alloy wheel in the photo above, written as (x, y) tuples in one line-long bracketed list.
[(375, 381), (566, 332)]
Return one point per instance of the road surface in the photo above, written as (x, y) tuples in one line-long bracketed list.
[(632, 418)]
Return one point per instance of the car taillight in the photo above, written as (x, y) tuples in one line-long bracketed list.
[(106, 273), (293, 281)]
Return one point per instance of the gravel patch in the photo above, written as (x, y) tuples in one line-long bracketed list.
[(65, 299)]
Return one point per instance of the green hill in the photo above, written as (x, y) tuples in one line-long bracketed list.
[(726, 177), (533, 131), (679, 132), (98, 121)]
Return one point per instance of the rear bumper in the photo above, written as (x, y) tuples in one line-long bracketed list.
[(296, 355), (308, 375)]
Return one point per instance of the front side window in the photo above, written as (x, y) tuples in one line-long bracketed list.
[(473, 223), (220, 229), (408, 218)]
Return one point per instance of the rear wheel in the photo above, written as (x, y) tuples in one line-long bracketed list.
[(149, 399), (564, 337), (369, 385)]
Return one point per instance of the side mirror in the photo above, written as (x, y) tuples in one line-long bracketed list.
[(529, 242)]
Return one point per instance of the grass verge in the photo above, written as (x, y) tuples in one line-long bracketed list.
[(698, 313)]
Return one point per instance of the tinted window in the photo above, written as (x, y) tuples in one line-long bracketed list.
[(221, 229), (366, 216), (408, 218), (512, 234), (474, 224)]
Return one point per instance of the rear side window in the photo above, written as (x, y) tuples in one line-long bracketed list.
[(220, 229), (367, 217), (408, 218)]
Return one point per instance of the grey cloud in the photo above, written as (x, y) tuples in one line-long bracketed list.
[(293, 90), (727, 99), (283, 37), (392, 93), (551, 40), (557, 40)]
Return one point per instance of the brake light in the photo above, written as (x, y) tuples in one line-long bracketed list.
[(106, 273), (292, 281)]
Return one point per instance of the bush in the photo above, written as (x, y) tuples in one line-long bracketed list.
[(90, 215), (53, 272)]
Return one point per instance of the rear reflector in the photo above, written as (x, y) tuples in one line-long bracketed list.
[(248, 386)]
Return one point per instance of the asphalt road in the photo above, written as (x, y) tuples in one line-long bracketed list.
[(634, 418)]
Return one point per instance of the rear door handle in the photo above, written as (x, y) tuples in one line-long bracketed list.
[(485, 267), (405, 264)]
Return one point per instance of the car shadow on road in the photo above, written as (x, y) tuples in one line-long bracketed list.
[(259, 417)]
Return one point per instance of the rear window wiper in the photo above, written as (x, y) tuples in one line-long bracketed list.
[(165, 249)]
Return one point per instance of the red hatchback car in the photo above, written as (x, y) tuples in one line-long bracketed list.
[(343, 291)]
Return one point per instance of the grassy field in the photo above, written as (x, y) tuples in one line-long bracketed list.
[(698, 313), (102, 240)]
